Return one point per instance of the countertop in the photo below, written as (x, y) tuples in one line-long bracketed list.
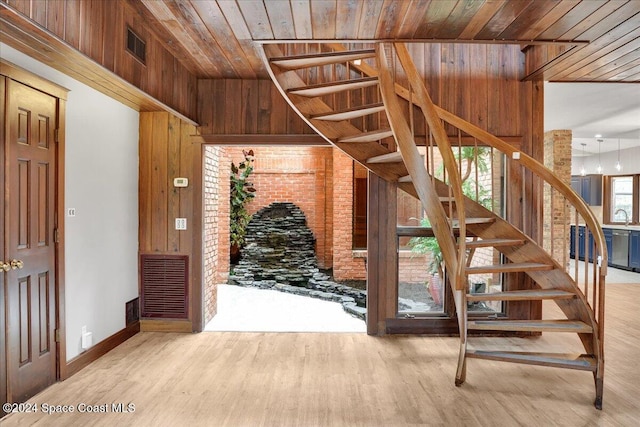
[(620, 227)]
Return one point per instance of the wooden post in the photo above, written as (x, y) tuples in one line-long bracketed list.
[(382, 254)]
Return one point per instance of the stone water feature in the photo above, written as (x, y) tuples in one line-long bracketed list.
[(280, 254)]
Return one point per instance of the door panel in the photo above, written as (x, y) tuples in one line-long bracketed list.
[(29, 224)]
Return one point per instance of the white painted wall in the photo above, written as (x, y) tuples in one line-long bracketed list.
[(629, 159), (101, 241)]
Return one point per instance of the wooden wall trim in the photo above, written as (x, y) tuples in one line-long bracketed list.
[(100, 349), (3, 353), (18, 74), (152, 325), (60, 246), (261, 139)]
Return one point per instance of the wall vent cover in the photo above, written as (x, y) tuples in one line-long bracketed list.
[(164, 282), (136, 46)]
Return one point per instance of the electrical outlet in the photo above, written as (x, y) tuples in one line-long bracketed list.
[(71, 212), (181, 223)]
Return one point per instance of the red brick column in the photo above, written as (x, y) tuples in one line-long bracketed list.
[(345, 264), (216, 225)]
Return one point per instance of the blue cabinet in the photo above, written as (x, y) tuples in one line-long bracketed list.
[(608, 238), (589, 187), (634, 250), (580, 242)]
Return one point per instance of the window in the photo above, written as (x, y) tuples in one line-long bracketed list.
[(422, 291), (621, 198), (360, 181)]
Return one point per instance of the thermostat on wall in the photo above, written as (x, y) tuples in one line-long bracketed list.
[(180, 182)]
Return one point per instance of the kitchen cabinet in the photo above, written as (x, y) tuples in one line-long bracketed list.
[(589, 187), (608, 239), (580, 242), (634, 250)]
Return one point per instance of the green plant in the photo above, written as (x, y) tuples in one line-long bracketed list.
[(428, 245), (242, 191), (470, 188)]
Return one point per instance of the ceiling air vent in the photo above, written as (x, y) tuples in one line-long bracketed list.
[(164, 282), (136, 46)]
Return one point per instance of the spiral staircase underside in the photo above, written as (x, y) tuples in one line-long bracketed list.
[(378, 136)]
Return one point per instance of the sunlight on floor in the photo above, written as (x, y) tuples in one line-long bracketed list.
[(262, 310)]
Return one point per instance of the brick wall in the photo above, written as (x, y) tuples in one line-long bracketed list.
[(346, 265), (216, 225), (557, 157), (300, 175), (412, 267), (320, 181)]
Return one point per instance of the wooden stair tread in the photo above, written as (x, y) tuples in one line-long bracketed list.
[(370, 136), (484, 243), (321, 58), (333, 87), (350, 113), (531, 325), (394, 157), (456, 223), (447, 199), (582, 362), (509, 268), (532, 294)]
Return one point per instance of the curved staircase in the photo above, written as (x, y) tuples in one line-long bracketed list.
[(359, 99)]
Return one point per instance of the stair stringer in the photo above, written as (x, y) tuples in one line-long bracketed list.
[(330, 130), (530, 251)]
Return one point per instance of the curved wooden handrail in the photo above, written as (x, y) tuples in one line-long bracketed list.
[(569, 194), (427, 193), (423, 100), (537, 168)]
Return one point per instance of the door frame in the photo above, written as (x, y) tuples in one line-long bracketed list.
[(13, 72)]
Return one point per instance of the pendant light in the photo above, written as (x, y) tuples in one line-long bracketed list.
[(618, 165), (599, 168), (583, 172)]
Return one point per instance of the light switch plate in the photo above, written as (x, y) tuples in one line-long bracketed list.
[(181, 223)]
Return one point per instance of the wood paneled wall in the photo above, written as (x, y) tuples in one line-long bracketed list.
[(246, 107), (98, 29), (166, 152), (479, 83)]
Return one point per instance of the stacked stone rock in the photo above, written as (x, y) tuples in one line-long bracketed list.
[(280, 254)]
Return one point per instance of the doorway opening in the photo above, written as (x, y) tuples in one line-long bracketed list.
[(289, 277)]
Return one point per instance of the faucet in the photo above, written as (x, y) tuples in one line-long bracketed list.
[(626, 216)]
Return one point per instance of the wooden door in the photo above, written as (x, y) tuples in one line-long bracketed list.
[(30, 306)]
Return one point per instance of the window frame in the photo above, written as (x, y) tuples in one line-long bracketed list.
[(607, 200)]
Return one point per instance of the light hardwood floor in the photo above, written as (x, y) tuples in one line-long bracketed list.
[(312, 379)]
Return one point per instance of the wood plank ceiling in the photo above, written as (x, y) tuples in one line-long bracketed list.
[(600, 40)]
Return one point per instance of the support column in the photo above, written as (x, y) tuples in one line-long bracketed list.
[(382, 254)]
